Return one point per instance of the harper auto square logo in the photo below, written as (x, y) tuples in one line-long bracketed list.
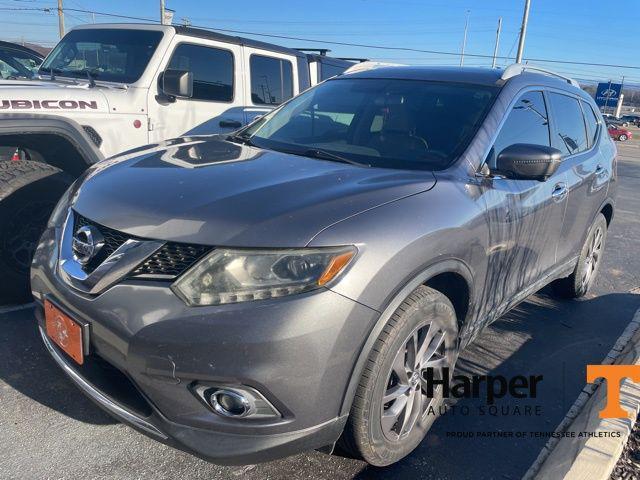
[(614, 375)]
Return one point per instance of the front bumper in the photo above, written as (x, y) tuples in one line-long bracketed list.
[(298, 352)]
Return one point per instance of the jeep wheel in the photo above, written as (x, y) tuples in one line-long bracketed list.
[(580, 281), (391, 412), (28, 193)]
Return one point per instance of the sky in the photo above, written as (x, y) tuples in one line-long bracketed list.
[(567, 30)]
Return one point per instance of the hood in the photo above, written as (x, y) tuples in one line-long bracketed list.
[(34, 96), (213, 192)]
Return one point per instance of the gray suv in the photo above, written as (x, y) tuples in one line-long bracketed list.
[(300, 282)]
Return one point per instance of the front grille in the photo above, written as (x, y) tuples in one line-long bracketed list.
[(113, 239), (170, 261)]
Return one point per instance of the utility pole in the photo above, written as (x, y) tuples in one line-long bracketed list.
[(495, 50), (161, 12), (523, 31), (60, 19), (464, 38)]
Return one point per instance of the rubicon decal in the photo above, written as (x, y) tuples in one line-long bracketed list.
[(48, 104), (613, 374)]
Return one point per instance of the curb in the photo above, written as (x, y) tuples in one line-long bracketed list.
[(593, 458)]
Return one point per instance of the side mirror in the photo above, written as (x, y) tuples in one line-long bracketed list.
[(524, 161), (177, 83)]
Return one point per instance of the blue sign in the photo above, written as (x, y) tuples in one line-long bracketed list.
[(608, 94)]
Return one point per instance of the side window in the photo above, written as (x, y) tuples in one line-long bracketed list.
[(527, 123), (591, 121), (271, 80), (212, 70), (571, 135)]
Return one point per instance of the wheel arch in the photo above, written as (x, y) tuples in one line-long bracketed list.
[(446, 276), (61, 142)]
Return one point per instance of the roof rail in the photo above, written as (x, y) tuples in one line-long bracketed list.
[(519, 68), (321, 51)]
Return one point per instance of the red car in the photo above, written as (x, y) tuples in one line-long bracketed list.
[(619, 133)]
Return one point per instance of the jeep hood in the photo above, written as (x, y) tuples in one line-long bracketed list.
[(209, 191), (40, 96)]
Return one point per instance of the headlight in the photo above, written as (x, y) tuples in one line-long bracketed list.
[(232, 276)]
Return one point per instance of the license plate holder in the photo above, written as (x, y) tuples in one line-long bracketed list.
[(70, 335)]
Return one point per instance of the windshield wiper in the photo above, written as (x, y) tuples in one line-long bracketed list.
[(244, 140), (325, 155)]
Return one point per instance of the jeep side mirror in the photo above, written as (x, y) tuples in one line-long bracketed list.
[(177, 83), (523, 161)]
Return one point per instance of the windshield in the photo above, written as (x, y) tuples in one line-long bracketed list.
[(407, 124), (16, 64), (111, 55)]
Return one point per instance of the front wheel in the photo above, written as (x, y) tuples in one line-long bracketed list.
[(392, 410), (28, 193), (622, 138), (581, 280)]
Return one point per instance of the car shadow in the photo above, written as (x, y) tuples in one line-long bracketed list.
[(27, 367), (542, 336)]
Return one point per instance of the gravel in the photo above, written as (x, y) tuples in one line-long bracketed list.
[(628, 466)]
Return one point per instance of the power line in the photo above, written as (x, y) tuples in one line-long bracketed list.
[(329, 42)]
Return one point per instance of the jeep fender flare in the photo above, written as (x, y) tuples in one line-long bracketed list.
[(68, 129), (450, 265)]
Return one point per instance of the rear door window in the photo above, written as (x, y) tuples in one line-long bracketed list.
[(271, 80), (592, 122), (527, 122), (570, 135), (212, 70)]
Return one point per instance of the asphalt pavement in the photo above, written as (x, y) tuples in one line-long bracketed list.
[(48, 429)]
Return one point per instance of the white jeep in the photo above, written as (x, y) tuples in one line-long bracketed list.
[(108, 88)]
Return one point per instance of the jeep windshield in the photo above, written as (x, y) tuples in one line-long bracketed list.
[(110, 55), (390, 123)]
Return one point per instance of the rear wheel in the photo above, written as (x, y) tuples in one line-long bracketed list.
[(622, 138), (392, 411), (28, 193), (580, 281)]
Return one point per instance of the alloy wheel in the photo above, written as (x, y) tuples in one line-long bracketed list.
[(405, 400), (592, 259)]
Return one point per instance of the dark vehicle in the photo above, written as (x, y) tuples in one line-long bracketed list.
[(17, 61), (631, 119), (618, 122), (619, 133), (305, 280)]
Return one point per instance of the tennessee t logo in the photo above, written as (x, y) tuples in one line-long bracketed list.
[(613, 374)]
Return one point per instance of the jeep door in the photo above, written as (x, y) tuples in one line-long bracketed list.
[(216, 105), (273, 79), (524, 217), (588, 163)]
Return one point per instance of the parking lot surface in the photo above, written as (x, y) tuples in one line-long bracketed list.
[(48, 429)]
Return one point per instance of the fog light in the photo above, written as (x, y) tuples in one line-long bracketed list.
[(237, 401), (230, 403)]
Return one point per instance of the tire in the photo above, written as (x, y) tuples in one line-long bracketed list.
[(28, 193), (581, 280), (622, 138), (412, 323)]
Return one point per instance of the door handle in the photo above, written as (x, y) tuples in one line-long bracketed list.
[(230, 124), (559, 192)]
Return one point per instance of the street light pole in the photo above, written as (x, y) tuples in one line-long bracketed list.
[(523, 31), (464, 38), (495, 50), (60, 19), (161, 12)]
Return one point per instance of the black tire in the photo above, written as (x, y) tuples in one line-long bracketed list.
[(28, 193), (577, 284), (364, 436), (622, 138)]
